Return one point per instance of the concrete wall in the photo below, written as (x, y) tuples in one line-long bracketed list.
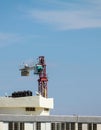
[(29, 126), (3, 126), (84, 126), (9, 105), (98, 126), (29, 101), (22, 111), (32, 126), (76, 126), (48, 126)]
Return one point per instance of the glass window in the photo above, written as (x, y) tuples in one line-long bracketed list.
[(90, 126), (67, 126), (72, 126), (62, 126), (46, 109), (10, 126), (94, 126), (21, 126), (58, 126), (16, 126), (30, 108), (38, 126), (79, 126), (52, 126)]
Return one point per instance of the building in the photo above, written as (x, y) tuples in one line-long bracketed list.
[(23, 111), (30, 122), (29, 105), (12, 109)]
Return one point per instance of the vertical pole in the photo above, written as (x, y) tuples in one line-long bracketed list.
[(92, 126), (69, 126), (76, 126), (64, 125)]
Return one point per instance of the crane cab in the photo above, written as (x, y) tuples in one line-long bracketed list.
[(38, 68)]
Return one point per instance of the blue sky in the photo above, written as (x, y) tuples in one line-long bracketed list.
[(68, 34)]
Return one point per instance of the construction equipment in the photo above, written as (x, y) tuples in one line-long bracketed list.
[(39, 69)]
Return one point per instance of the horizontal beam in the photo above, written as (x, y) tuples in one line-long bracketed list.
[(53, 118)]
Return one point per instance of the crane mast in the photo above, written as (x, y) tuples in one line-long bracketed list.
[(39, 69), (42, 81)]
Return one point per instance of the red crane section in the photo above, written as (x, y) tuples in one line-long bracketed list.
[(42, 81)]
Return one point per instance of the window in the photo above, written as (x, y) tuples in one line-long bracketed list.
[(46, 109), (16, 126), (10, 125), (38, 126), (52, 126), (30, 108), (58, 126), (72, 126), (94, 126), (21, 126), (89, 126), (63, 126), (79, 126), (67, 126)]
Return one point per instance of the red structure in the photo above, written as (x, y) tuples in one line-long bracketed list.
[(42, 81)]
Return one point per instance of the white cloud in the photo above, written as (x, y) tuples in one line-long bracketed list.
[(12, 38), (8, 38), (75, 18)]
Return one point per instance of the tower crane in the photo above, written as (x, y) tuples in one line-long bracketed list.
[(39, 69)]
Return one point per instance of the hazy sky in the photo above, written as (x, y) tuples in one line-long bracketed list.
[(68, 34)]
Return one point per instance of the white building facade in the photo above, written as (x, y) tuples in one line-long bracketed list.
[(30, 105), (21, 107), (33, 113), (31, 122)]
